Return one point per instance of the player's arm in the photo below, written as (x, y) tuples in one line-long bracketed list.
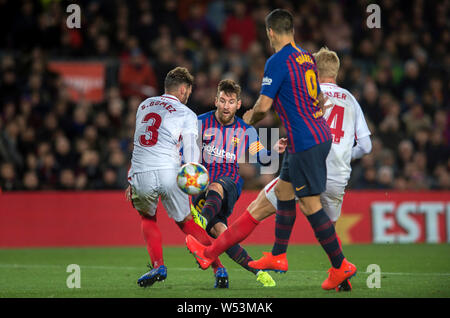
[(363, 143), (189, 134), (363, 147), (191, 152), (259, 111)]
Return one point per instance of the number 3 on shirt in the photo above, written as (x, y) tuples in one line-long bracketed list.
[(336, 113), (154, 121)]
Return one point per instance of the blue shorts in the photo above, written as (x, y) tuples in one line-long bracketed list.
[(307, 170), (230, 196)]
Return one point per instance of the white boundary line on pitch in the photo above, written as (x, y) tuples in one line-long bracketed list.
[(196, 269)]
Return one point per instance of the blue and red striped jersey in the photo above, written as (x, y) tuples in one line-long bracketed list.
[(290, 79), (223, 147)]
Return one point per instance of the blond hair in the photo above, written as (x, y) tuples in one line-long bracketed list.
[(327, 63)]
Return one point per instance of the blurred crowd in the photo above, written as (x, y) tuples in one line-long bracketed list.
[(399, 73)]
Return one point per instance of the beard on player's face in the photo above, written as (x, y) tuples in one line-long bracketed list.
[(226, 115), (227, 107)]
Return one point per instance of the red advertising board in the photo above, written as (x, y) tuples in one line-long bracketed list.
[(107, 219), (84, 80)]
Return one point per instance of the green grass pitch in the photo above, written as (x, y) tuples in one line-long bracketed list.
[(419, 270)]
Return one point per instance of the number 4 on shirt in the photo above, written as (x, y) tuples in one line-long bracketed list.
[(335, 121)]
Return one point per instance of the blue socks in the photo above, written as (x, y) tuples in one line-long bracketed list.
[(212, 205), (326, 235), (284, 222), (238, 254)]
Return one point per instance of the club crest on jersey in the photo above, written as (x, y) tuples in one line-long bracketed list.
[(235, 140)]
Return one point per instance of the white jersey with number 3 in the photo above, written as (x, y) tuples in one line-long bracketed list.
[(160, 122), (347, 123)]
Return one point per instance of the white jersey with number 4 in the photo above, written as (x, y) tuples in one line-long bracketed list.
[(160, 123), (347, 123)]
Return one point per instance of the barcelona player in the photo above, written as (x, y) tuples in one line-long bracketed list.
[(225, 140), (291, 85)]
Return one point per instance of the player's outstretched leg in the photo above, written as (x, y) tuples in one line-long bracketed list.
[(238, 254), (197, 249), (236, 233), (190, 228), (213, 202)]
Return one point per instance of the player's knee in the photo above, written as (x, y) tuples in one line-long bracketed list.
[(217, 187), (261, 208), (284, 192), (310, 205), (218, 229)]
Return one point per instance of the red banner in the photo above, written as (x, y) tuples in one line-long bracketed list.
[(107, 219), (83, 79)]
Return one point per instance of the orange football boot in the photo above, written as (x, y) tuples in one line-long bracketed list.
[(337, 275), (269, 262), (197, 249)]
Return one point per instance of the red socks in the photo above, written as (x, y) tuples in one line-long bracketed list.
[(236, 233), (152, 237), (192, 228)]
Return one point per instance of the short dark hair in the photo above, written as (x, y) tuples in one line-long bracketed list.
[(280, 20), (229, 86), (176, 77)]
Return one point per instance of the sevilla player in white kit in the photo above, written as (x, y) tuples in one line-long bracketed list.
[(163, 124), (347, 125)]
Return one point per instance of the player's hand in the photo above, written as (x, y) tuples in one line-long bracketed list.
[(280, 145), (248, 116), (128, 193)]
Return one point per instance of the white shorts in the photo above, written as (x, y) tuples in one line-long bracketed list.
[(148, 187), (331, 199)]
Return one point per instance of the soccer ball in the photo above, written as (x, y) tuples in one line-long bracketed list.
[(193, 178)]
